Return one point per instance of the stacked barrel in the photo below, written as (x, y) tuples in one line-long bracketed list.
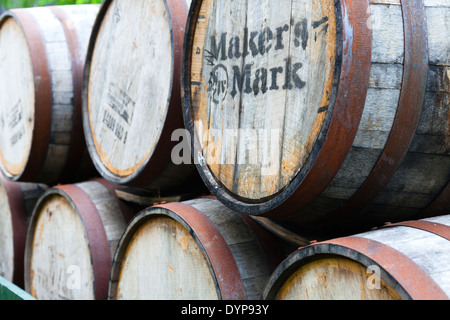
[(41, 142), (168, 150)]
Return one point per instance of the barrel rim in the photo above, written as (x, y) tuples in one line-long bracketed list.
[(397, 270), (43, 97), (155, 160), (99, 251), (321, 167), (216, 250), (305, 255)]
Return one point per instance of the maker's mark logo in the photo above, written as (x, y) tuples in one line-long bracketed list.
[(218, 83), (230, 61)]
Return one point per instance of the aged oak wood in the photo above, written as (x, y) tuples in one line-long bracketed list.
[(248, 72), (320, 112), (194, 250), (132, 104), (72, 237), (404, 261), (17, 201), (42, 53)]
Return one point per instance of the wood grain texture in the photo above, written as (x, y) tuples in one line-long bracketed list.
[(406, 41), (17, 201), (17, 106), (349, 269), (164, 255), (425, 170), (261, 78), (333, 278), (59, 241), (63, 259), (178, 255), (24, 141), (124, 83), (131, 89)]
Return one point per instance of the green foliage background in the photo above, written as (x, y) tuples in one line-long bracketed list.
[(7, 4)]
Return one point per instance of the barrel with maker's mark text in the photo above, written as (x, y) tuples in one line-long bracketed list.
[(42, 52), (329, 114), (131, 106)]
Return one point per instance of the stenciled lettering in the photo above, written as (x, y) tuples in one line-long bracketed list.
[(15, 120), (114, 126), (248, 78)]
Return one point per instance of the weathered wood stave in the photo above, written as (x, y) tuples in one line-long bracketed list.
[(72, 237), (140, 155), (406, 260), (42, 136), (382, 153), (17, 201), (232, 254)]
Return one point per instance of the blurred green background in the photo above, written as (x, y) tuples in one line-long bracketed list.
[(7, 4)]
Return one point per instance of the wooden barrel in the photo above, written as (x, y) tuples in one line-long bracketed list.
[(321, 111), (17, 201), (406, 260), (131, 106), (195, 250), (72, 237), (43, 52)]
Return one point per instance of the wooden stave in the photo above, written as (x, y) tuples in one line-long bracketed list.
[(204, 229), (77, 165), (158, 173), (403, 271), (300, 194), (101, 243), (390, 191)]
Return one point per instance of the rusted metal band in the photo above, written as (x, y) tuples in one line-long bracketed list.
[(227, 274), (96, 236), (347, 111), (42, 93), (440, 206), (415, 281), (77, 141), (409, 108), (438, 229), (19, 225)]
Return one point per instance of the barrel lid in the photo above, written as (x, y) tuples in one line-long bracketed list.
[(260, 85), (57, 244), (173, 251), (17, 103), (72, 233), (128, 85), (368, 269)]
